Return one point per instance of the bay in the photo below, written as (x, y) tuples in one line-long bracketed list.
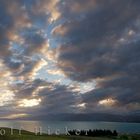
[(63, 126)]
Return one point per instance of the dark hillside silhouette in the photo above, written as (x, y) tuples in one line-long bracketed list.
[(93, 133)]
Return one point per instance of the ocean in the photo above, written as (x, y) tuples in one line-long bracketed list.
[(64, 126)]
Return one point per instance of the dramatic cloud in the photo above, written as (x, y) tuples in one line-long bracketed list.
[(103, 45), (76, 56)]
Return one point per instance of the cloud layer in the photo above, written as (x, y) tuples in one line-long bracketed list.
[(50, 49)]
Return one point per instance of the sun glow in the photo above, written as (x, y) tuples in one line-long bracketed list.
[(83, 87), (82, 105), (15, 116), (6, 97), (107, 102), (29, 103)]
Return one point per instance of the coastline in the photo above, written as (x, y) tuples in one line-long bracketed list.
[(12, 134)]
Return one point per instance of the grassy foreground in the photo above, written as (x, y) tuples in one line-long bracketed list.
[(25, 135)]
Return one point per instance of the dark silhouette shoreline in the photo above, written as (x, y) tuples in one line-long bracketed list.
[(93, 133)]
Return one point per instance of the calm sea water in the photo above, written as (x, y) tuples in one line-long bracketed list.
[(63, 125)]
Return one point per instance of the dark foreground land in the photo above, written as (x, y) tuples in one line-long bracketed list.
[(25, 135)]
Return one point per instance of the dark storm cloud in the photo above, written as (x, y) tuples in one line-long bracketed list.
[(13, 65), (6, 23), (92, 40), (55, 98), (26, 88), (58, 100), (100, 42), (34, 41), (94, 49)]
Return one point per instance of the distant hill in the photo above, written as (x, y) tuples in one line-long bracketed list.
[(89, 117)]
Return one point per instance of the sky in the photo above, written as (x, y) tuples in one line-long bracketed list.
[(69, 56)]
